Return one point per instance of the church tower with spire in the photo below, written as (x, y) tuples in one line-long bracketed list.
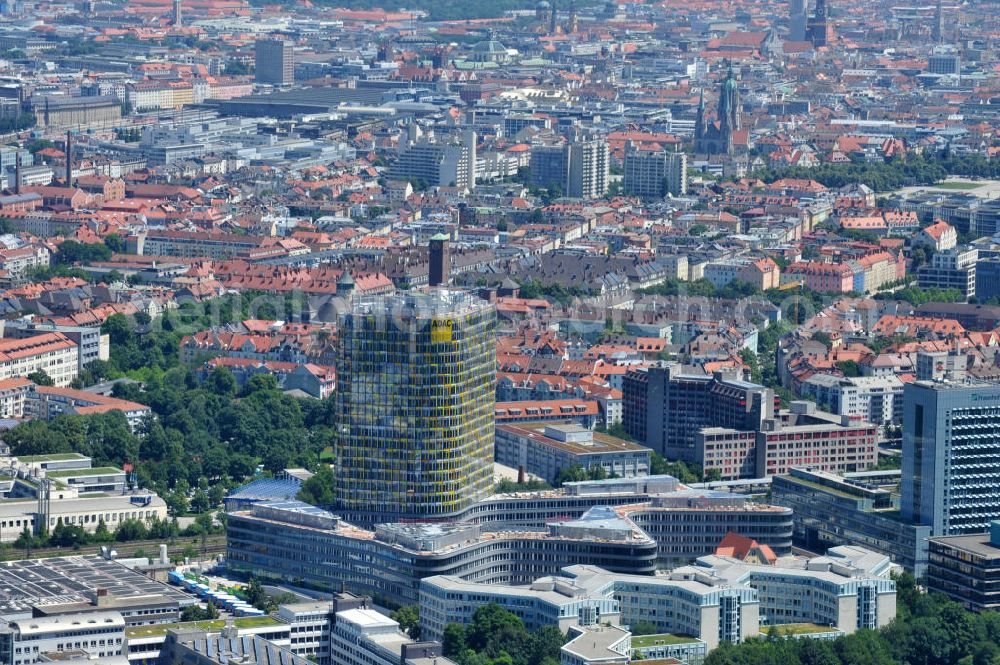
[(717, 137), (938, 32), (820, 28), (699, 123)]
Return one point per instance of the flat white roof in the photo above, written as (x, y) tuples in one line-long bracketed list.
[(367, 618)]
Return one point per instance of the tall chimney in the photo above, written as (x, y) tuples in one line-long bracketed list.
[(440, 261), (69, 159), (17, 172)]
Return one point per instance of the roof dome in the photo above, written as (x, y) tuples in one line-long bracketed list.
[(492, 46)]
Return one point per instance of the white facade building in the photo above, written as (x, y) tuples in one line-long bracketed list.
[(100, 634)]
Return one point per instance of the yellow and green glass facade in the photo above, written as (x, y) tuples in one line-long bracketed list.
[(416, 380)]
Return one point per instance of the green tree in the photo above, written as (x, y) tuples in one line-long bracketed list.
[(197, 613), (68, 535), (408, 618), (644, 628), (255, 595), (114, 243), (41, 378), (200, 501), (453, 640), (221, 381), (102, 534), (750, 359), (848, 368), (130, 529), (318, 490), (25, 541), (570, 474), (686, 473)]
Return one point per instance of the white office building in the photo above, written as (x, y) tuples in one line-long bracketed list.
[(310, 629), (366, 637), (99, 634), (874, 399), (588, 595)]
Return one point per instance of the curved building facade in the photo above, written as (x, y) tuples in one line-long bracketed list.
[(416, 381), (308, 547)]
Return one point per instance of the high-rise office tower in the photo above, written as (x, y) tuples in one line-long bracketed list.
[(798, 17), (951, 456), (416, 375), (274, 62), (589, 167), (439, 162), (578, 169), (654, 173)]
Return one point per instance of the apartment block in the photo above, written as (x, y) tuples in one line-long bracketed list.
[(191, 244), (53, 353), (366, 637), (101, 634), (967, 568), (874, 399), (47, 402), (439, 162), (654, 173), (848, 589), (733, 426), (579, 169), (954, 268)]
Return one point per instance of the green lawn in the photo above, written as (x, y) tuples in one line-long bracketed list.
[(663, 639), (74, 473), (800, 629), (210, 626), (958, 184), (55, 457)]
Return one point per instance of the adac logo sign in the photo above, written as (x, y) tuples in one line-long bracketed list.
[(441, 330)]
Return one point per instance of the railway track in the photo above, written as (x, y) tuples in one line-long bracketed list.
[(179, 547)]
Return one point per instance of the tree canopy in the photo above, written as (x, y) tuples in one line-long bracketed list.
[(498, 637)]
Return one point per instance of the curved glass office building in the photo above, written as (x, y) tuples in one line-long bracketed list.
[(416, 381)]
